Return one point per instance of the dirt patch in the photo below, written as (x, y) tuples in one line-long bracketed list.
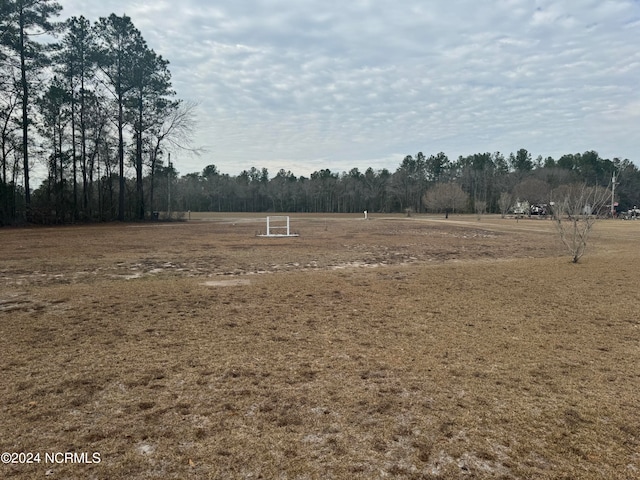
[(236, 282), (227, 245)]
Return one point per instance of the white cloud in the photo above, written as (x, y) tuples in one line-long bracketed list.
[(327, 84)]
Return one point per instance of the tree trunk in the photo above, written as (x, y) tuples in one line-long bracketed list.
[(73, 152), (139, 183), (25, 116), (121, 193)]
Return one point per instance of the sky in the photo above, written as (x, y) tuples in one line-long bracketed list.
[(303, 85)]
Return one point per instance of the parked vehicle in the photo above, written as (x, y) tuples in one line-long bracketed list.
[(631, 214), (521, 208), (541, 209)]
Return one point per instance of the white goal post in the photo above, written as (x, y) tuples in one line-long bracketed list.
[(279, 226)]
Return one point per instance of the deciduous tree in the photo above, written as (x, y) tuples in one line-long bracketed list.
[(172, 124), (447, 197), (575, 208), (504, 203)]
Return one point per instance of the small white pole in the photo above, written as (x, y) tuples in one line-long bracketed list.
[(287, 226), (365, 214), (268, 231)]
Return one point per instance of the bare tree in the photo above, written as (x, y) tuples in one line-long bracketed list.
[(448, 197), (481, 208), (504, 202), (173, 127), (575, 211)]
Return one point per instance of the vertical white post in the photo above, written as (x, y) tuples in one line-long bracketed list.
[(287, 226), (268, 231), (365, 214)]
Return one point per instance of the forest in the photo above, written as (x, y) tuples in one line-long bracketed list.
[(478, 183), (93, 104)]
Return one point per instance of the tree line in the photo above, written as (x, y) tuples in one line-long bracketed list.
[(93, 104), (89, 101), (482, 183)]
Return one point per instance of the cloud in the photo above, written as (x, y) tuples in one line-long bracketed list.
[(329, 84)]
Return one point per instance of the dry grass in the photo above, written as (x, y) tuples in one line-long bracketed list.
[(395, 348)]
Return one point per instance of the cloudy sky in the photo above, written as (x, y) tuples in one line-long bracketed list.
[(305, 85)]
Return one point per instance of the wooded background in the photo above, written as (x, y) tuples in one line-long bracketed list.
[(94, 105)]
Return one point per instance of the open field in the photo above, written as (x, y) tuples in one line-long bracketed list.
[(408, 348)]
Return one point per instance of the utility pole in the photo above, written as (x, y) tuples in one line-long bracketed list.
[(613, 194)]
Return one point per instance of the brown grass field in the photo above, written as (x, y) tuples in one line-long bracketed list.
[(405, 348)]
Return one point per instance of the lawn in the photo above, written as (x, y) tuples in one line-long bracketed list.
[(408, 348)]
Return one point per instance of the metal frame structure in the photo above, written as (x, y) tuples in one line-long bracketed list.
[(279, 226)]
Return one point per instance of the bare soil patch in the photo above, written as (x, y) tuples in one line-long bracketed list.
[(390, 348)]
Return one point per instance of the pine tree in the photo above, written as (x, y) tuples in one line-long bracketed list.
[(22, 21)]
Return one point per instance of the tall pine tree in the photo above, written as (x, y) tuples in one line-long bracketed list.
[(118, 43), (23, 21)]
